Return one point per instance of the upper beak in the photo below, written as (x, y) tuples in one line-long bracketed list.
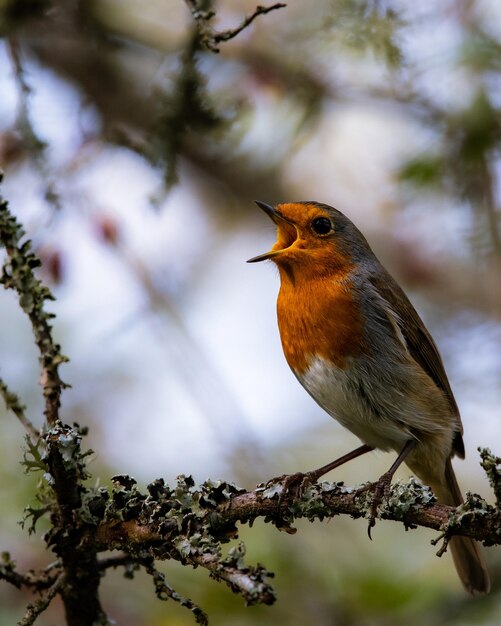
[(277, 217)]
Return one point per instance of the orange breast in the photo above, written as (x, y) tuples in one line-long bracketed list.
[(318, 318)]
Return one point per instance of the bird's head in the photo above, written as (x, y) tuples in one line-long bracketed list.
[(313, 240)]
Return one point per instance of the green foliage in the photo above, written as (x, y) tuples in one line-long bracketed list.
[(423, 171), (367, 26)]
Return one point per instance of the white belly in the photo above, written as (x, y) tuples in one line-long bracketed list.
[(379, 410)]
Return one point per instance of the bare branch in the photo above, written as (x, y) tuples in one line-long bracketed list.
[(226, 35), (211, 38)]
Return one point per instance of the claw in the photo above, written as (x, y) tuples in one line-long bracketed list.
[(372, 523), (295, 484), (381, 490)]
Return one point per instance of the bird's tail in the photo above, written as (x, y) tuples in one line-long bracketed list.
[(468, 557)]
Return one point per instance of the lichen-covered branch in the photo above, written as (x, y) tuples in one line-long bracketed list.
[(39, 606), (492, 467), (165, 592), (18, 274), (212, 510), (191, 524), (14, 404), (30, 580), (62, 461)]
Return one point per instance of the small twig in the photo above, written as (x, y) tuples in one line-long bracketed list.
[(248, 582), (226, 35), (116, 561), (211, 38), (13, 403), (30, 579), (491, 464), (165, 592), (38, 607)]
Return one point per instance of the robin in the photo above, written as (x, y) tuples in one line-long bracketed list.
[(359, 348)]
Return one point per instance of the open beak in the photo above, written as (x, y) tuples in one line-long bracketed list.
[(280, 221)]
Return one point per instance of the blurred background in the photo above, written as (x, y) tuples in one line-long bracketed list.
[(132, 157)]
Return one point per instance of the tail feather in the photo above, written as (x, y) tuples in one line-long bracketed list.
[(466, 553)]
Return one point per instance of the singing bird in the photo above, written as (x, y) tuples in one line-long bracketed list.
[(359, 348)]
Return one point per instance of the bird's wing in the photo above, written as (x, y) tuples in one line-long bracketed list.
[(419, 342)]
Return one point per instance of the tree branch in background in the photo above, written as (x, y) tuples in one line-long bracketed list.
[(203, 15), (35, 147)]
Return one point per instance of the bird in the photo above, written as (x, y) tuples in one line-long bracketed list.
[(357, 345)]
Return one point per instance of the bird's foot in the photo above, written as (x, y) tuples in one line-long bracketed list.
[(380, 490), (295, 485), (292, 486)]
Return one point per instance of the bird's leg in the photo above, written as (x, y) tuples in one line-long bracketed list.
[(299, 481), (314, 475), (382, 486)]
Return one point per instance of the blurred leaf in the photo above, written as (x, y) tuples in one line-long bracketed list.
[(365, 25), (422, 171)]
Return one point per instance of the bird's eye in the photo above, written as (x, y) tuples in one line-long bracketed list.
[(321, 226)]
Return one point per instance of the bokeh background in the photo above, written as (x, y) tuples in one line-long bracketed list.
[(132, 157)]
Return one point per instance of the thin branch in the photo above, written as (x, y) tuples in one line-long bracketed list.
[(13, 403), (211, 38), (124, 560), (165, 592), (38, 607), (491, 464), (246, 581), (226, 35), (30, 580)]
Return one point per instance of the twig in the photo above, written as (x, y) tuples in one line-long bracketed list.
[(38, 607), (30, 579), (116, 561), (226, 35), (491, 464), (247, 581), (211, 38), (165, 592), (13, 403)]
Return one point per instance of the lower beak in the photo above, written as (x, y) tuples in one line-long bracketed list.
[(277, 217)]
